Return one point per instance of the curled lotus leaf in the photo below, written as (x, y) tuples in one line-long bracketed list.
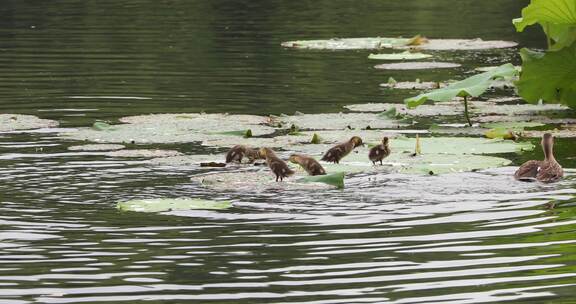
[(14, 122)]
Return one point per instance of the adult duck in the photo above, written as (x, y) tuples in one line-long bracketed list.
[(547, 170)]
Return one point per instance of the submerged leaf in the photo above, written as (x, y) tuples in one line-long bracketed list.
[(473, 86), (335, 179), (168, 204)]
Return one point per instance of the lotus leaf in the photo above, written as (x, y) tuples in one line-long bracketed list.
[(335, 179), (143, 153), (399, 56), (423, 65), (96, 147), (169, 204), (413, 85), (559, 12), (400, 43), (13, 122), (473, 86), (176, 128), (335, 121), (254, 181), (550, 77)]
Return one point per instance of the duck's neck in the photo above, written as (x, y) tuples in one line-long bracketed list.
[(548, 151)]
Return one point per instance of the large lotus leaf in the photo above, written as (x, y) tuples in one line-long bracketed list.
[(399, 56), (169, 204), (335, 121), (562, 35), (175, 128), (399, 43), (550, 77), (12, 122), (547, 11), (473, 86)]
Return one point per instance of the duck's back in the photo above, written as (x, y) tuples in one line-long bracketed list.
[(549, 172), (528, 171)]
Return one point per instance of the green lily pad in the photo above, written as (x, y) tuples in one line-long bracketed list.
[(255, 182), (102, 126), (176, 128), (335, 121), (346, 43), (473, 86), (336, 179), (13, 122), (97, 147), (143, 153), (169, 204), (413, 85), (445, 109), (512, 125), (399, 43), (421, 65), (399, 56)]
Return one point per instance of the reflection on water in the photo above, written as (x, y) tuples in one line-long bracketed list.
[(457, 238)]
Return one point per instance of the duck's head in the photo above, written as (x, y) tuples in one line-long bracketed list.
[(294, 158), (385, 141), (265, 152), (357, 141)]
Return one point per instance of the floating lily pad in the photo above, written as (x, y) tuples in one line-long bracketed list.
[(170, 204), (525, 118), (143, 153), (399, 56), (175, 128), (413, 85), (401, 43), (422, 65), (346, 43), (97, 147), (491, 108), (254, 181), (463, 45), (188, 160), (336, 179), (490, 68), (335, 121), (447, 109), (13, 122), (515, 125)]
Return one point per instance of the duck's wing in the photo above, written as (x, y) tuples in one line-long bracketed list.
[(316, 168), (528, 171), (335, 153), (375, 153), (550, 172)]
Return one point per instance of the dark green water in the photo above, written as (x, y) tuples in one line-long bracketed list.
[(456, 238)]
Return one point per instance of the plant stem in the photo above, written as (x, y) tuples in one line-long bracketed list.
[(466, 110)]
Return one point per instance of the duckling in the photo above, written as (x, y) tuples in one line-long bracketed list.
[(278, 166), (309, 164), (238, 152), (379, 152), (336, 153), (547, 170)]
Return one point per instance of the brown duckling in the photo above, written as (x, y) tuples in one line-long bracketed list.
[(309, 164), (547, 170), (336, 153), (379, 152), (238, 152), (278, 166)]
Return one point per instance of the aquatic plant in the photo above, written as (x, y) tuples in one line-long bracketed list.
[(473, 86), (550, 76)]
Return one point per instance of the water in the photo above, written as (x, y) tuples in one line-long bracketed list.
[(458, 238)]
